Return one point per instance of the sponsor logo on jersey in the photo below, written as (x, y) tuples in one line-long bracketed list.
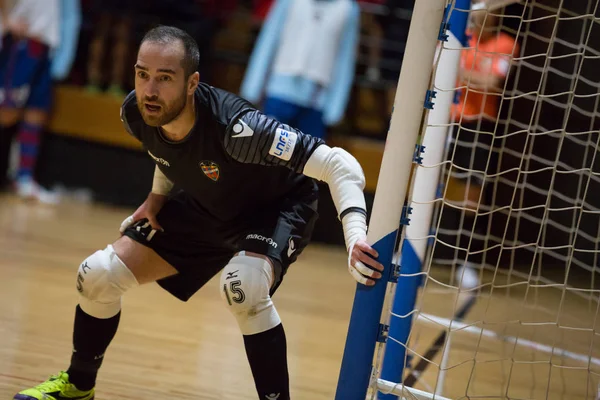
[(210, 169), (242, 130), (283, 144), (268, 240), (159, 160)]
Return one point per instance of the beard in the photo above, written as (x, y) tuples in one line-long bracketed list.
[(166, 112)]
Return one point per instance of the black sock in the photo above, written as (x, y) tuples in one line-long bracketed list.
[(7, 134), (91, 337), (267, 354)]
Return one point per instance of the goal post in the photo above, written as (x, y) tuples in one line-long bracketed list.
[(491, 290), (365, 328), (430, 155)]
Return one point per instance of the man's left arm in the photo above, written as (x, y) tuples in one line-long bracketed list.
[(258, 139)]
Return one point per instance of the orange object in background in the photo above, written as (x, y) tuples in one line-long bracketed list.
[(491, 56)]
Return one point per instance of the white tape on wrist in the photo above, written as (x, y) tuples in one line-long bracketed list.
[(354, 225), (161, 184), (355, 228), (126, 223)]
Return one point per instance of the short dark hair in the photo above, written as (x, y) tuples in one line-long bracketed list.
[(169, 34)]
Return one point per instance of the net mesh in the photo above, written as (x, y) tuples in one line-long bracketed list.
[(515, 237)]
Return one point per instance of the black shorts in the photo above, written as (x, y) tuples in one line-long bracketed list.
[(198, 246)]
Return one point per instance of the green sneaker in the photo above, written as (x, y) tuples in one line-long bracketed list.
[(55, 388)]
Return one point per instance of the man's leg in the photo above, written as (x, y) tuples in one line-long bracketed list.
[(120, 51), (102, 279), (8, 131), (245, 286), (96, 53), (250, 279), (28, 137), (35, 84), (10, 113), (113, 271)]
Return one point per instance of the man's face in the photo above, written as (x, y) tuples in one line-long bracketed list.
[(160, 82)]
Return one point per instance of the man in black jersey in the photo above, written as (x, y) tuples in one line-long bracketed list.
[(234, 193)]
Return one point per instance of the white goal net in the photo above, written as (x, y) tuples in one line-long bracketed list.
[(519, 207)]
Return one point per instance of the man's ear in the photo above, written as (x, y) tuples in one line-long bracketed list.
[(193, 82)]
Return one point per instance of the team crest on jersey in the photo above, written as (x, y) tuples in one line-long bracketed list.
[(210, 169)]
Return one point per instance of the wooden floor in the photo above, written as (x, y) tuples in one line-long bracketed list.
[(518, 342), (166, 349)]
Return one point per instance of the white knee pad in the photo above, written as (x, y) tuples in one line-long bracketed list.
[(101, 280), (245, 286)]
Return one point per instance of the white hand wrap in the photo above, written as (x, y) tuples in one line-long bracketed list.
[(346, 180), (161, 184), (355, 228), (126, 222)]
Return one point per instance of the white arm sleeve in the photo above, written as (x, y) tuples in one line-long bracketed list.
[(346, 180), (161, 184)]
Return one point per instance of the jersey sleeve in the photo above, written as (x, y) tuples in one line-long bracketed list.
[(130, 114), (255, 138)]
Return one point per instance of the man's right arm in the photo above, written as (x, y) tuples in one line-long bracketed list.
[(161, 184)]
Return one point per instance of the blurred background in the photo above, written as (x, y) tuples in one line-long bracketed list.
[(80, 147), (83, 149)]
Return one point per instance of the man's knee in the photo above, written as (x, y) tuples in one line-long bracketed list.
[(101, 281), (245, 284)]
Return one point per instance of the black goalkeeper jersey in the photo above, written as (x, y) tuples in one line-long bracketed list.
[(235, 161)]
